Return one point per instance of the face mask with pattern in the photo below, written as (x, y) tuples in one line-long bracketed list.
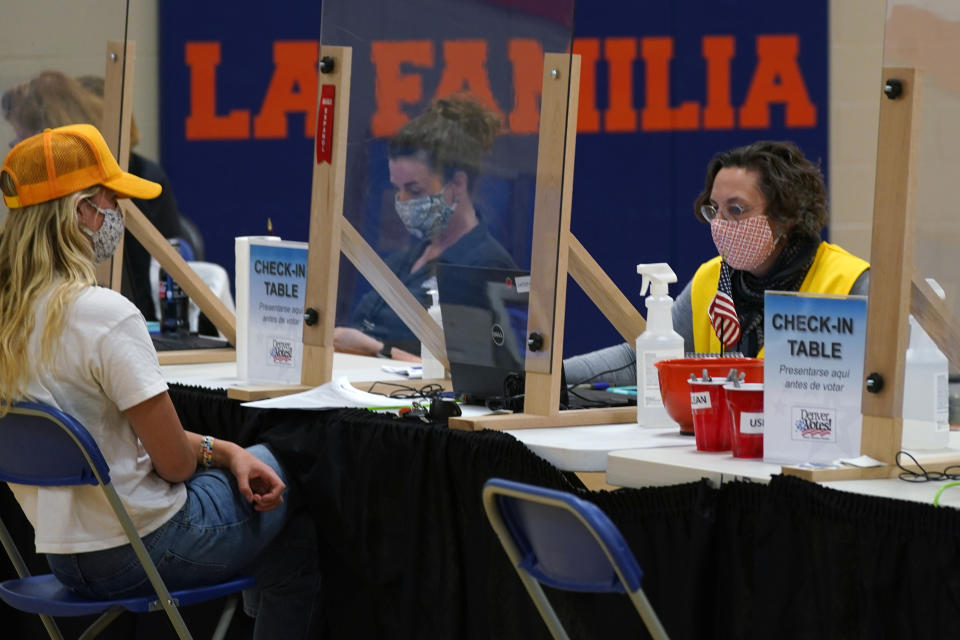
[(426, 216), (744, 244), (107, 237)]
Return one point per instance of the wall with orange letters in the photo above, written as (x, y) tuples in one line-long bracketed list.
[(664, 86)]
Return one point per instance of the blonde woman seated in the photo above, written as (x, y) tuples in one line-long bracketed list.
[(207, 510)]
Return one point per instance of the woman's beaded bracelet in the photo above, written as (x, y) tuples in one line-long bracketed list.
[(206, 451)]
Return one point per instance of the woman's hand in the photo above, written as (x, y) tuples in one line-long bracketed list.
[(258, 483), (350, 340)]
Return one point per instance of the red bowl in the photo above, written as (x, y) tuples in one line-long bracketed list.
[(675, 391)]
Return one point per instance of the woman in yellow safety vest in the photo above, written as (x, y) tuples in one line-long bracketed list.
[(766, 205)]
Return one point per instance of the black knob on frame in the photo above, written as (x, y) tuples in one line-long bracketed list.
[(310, 317), (893, 88), (326, 64), (535, 342), (874, 382)]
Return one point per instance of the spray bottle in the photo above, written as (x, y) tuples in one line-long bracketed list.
[(432, 369), (658, 342), (925, 393)]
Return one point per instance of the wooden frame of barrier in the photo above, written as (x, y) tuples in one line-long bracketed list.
[(894, 290), (118, 108), (557, 253)]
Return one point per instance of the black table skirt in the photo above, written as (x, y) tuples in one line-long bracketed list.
[(407, 552)]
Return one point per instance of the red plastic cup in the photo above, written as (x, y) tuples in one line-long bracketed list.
[(746, 417), (711, 418)]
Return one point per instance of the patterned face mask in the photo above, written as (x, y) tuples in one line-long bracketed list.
[(426, 216), (107, 237), (744, 244)]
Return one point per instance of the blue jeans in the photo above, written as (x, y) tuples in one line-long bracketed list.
[(214, 537)]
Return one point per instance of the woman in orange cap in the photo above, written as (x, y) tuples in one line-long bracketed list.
[(85, 350), (53, 99)]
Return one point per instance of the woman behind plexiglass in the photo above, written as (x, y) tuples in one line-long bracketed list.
[(766, 205), (434, 161)]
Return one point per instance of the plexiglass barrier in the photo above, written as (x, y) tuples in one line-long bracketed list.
[(925, 35), (53, 63), (442, 151)]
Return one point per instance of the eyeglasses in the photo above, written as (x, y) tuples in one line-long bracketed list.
[(732, 212)]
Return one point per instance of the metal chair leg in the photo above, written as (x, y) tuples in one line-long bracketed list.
[(101, 623), (223, 625)]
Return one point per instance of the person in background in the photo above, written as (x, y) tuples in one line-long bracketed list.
[(434, 161), (206, 509), (766, 205), (52, 99)]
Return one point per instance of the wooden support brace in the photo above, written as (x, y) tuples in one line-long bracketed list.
[(117, 114), (326, 213), (393, 291), (936, 318), (891, 265), (579, 417), (604, 293), (551, 231)]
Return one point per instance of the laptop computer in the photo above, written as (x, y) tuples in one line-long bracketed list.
[(484, 312)]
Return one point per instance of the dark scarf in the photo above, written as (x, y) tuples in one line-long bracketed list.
[(786, 274)]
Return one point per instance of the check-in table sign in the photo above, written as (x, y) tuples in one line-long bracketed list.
[(812, 376)]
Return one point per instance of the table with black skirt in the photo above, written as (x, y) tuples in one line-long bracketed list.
[(406, 550)]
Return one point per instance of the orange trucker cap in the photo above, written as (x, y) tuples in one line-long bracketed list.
[(61, 161)]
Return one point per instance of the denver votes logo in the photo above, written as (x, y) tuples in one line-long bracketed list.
[(813, 423), (281, 352)]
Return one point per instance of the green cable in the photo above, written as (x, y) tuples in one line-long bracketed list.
[(936, 498)]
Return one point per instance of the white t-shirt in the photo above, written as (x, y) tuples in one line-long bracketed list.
[(105, 364)]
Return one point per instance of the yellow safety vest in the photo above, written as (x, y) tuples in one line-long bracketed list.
[(833, 271)]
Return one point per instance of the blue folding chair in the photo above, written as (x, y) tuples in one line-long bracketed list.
[(43, 446), (557, 539)]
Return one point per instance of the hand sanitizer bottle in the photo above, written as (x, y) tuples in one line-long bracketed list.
[(658, 342), (925, 393), (432, 369)]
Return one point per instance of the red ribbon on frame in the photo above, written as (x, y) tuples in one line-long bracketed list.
[(325, 124)]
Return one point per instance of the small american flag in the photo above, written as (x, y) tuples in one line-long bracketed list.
[(723, 315)]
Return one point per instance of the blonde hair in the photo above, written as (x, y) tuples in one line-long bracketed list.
[(42, 249), (53, 99)]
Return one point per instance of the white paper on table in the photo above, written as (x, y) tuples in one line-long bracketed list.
[(412, 371), (335, 394), (863, 462)]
